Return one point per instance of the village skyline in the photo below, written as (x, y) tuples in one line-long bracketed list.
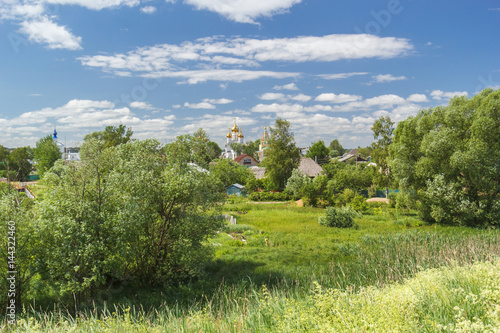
[(166, 68)]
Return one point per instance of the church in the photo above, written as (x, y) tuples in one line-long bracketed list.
[(234, 135)]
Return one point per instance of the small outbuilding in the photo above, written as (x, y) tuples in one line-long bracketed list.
[(236, 189)]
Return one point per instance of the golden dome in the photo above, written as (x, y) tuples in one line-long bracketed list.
[(240, 135), (229, 136), (235, 128)]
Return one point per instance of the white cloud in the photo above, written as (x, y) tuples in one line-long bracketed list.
[(340, 98), (417, 98), (382, 78), (78, 116), (44, 31), (275, 107), (230, 75), (148, 9), (384, 100), (300, 98), (290, 86), (141, 105), (39, 25), (339, 76), (202, 105), (244, 11), (440, 95), (222, 58), (218, 101), (272, 96)]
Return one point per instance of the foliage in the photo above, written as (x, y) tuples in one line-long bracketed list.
[(228, 172), (125, 213), (296, 183), (237, 147), (449, 157), (348, 176), (251, 148), (270, 196), (318, 150), (194, 148), (382, 131), (112, 135), (342, 217), (213, 150), (18, 163), (335, 148), (316, 192), (282, 156), (46, 153), (20, 242), (352, 199)]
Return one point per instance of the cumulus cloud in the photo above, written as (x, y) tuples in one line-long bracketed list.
[(300, 98), (78, 116), (142, 106), (272, 96), (44, 31), (417, 98), (382, 78), (224, 59), (40, 25), (340, 98), (244, 11), (440, 95)]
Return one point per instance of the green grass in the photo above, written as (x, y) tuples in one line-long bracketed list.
[(268, 268)]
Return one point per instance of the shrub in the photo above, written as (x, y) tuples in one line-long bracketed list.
[(342, 217), (358, 203)]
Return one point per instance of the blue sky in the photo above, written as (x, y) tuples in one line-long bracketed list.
[(169, 67)]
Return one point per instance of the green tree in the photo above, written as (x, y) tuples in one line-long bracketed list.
[(228, 172), (252, 148), (213, 150), (46, 153), (128, 212), (19, 161), (382, 131), (282, 156), (238, 147), (4, 162), (296, 183), (335, 148), (448, 156), (318, 151), (112, 135), (17, 226)]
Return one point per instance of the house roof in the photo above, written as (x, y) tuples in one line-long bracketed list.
[(259, 172), (242, 156), (237, 186), (309, 168)]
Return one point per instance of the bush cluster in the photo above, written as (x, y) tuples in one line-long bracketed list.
[(342, 217), (270, 196)]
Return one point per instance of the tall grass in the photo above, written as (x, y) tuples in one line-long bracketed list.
[(406, 274)]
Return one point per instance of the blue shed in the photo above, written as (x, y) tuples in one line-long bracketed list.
[(236, 189)]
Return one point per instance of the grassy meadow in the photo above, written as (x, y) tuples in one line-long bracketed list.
[(278, 270)]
